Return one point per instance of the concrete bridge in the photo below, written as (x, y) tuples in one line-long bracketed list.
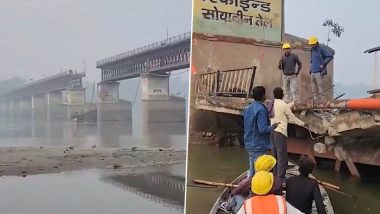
[(153, 63), (65, 88)]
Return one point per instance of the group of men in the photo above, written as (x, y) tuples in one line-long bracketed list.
[(266, 129), (320, 57), (267, 198)]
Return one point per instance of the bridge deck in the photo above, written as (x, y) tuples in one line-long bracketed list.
[(158, 58), (59, 82)]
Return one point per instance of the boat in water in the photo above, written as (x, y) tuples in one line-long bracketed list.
[(292, 171)]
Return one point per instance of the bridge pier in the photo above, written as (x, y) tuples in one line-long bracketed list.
[(108, 91), (24, 104), (163, 120), (109, 107), (155, 87)]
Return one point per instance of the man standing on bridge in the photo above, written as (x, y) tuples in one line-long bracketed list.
[(257, 128), (320, 58), (288, 64)]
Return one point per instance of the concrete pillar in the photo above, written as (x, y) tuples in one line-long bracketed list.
[(11, 104), (55, 109), (38, 102), (109, 108), (53, 99), (108, 92), (25, 104), (47, 98), (73, 97), (32, 102), (155, 87), (173, 110)]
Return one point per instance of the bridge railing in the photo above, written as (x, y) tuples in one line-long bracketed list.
[(169, 41), (227, 83)]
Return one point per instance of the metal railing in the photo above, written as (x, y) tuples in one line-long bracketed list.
[(166, 42), (228, 83), (165, 60)]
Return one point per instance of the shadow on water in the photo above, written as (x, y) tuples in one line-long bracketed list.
[(225, 164)]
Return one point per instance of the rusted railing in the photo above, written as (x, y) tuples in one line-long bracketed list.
[(231, 83)]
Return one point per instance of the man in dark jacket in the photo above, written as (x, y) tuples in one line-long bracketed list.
[(302, 190), (257, 128), (320, 58), (288, 63)]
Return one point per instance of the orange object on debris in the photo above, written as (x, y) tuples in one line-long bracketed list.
[(364, 104), (193, 69)]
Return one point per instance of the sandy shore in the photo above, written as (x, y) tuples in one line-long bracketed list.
[(23, 161)]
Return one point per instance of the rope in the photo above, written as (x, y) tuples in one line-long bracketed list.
[(314, 138)]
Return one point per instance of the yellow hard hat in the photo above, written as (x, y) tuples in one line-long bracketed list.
[(262, 182), (313, 40), (265, 163), (286, 46)]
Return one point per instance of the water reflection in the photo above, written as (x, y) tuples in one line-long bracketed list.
[(152, 126), (162, 187), (87, 192)]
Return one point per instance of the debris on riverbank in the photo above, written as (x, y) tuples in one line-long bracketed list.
[(23, 161)]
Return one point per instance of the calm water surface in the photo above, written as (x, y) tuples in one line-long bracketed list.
[(94, 191)]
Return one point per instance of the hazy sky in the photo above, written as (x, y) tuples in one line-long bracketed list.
[(361, 32), (40, 37)]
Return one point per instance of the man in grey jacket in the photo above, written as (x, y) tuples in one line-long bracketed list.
[(288, 64)]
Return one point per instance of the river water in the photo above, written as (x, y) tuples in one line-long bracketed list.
[(94, 191), (225, 164)]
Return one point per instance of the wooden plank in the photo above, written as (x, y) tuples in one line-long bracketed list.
[(351, 166)]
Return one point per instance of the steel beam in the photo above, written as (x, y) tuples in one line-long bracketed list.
[(159, 58)]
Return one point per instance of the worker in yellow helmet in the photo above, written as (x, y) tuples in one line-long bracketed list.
[(288, 63), (320, 58), (262, 163), (265, 163), (264, 201)]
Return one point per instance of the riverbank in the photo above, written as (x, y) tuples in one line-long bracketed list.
[(24, 161)]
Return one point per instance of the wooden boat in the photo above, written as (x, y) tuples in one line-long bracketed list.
[(292, 171)]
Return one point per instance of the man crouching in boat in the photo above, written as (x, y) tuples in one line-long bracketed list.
[(236, 200), (264, 201)]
